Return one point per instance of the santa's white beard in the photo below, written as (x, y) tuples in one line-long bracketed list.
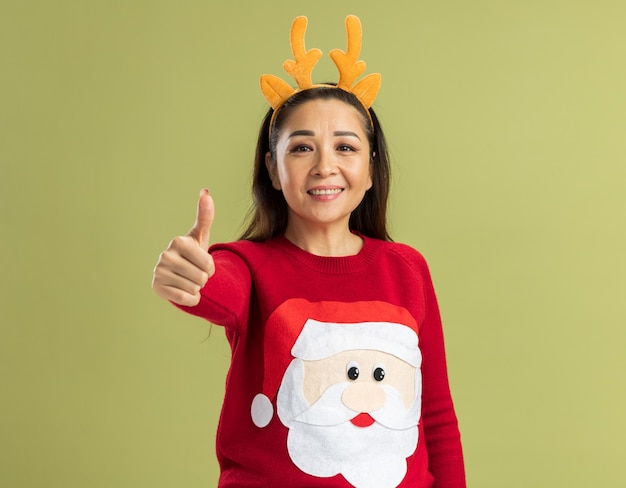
[(323, 442)]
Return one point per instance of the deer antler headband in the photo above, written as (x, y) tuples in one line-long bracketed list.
[(277, 91)]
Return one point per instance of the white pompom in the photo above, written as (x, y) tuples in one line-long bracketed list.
[(261, 410)]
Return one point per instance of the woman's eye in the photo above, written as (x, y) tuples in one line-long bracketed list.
[(301, 148), (345, 148)]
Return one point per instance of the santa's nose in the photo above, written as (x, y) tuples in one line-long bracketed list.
[(363, 397)]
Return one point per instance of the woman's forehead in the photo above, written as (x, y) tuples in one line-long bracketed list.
[(324, 113)]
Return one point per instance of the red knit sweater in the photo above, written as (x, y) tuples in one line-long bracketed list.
[(263, 293)]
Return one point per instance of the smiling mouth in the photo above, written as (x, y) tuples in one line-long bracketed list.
[(363, 420), (333, 191)]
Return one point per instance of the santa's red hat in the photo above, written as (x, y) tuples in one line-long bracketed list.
[(316, 330)]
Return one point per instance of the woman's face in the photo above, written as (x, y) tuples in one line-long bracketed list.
[(322, 163)]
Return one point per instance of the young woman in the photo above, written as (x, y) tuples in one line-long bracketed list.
[(338, 375)]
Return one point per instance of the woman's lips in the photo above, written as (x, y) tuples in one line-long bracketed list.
[(324, 191)]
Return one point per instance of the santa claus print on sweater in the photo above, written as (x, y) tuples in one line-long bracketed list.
[(347, 384)]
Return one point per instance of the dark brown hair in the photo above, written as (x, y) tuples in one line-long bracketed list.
[(268, 215)]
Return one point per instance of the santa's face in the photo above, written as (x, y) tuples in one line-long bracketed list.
[(348, 377), (368, 377), (353, 413)]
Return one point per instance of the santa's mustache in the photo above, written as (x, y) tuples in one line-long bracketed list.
[(330, 410)]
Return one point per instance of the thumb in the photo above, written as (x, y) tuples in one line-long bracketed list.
[(201, 230)]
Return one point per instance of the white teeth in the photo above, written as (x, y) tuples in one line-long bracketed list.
[(325, 192)]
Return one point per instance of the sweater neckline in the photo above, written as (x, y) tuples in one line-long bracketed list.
[(333, 264)]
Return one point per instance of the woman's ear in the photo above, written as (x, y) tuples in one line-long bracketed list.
[(272, 170), (371, 182)]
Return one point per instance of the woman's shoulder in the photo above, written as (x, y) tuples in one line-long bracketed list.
[(251, 252), (246, 245), (243, 247), (404, 259), (400, 250)]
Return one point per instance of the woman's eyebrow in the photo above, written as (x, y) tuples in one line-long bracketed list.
[(344, 133), (337, 133), (301, 133)]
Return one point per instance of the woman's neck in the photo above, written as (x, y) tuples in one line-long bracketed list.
[(325, 241)]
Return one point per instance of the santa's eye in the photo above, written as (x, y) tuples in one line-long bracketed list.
[(353, 373), (353, 370), (379, 373)]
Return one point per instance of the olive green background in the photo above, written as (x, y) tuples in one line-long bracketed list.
[(507, 127)]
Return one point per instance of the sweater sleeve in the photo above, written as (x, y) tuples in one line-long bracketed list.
[(441, 431), (225, 299)]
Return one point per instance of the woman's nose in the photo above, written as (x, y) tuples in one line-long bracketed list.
[(324, 164)]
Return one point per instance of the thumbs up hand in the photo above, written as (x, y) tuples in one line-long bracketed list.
[(201, 230), (185, 266)]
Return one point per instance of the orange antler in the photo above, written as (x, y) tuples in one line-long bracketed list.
[(276, 90), (305, 61), (350, 68)]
